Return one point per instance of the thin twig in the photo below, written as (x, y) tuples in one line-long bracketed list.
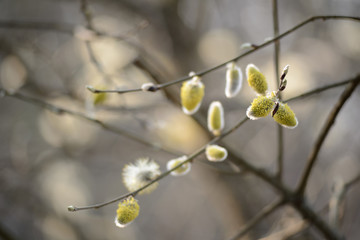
[(336, 201), (352, 182), (204, 72), (324, 132), (38, 26), (84, 8), (96, 62), (71, 29), (59, 111), (280, 157), (321, 89), (277, 42), (267, 210)]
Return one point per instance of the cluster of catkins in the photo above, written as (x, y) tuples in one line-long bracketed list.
[(144, 171), (192, 93)]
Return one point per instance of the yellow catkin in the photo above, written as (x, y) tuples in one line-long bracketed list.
[(216, 153), (256, 79), (100, 98), (180, 171), (285, 116), (192, 93), (260, 107), (127, 211)]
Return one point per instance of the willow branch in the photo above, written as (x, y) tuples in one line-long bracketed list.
[(324, 132), (38, 26), (322, 89), (266, 211), (280, 134), (258, 47), (84, 9)]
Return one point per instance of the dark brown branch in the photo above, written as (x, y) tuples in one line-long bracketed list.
[(280, 157), (39, 26), (267, 210), (321, 89), (324, 132)]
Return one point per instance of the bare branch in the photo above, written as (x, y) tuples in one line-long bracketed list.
[(321, 89), (324, 132), (280, 142), (84, 8), (260, 216)]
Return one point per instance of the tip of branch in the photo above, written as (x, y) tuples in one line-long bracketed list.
[(71, 208), (91, 88)]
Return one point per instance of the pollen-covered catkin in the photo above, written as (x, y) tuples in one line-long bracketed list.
[(285, 116), (256, 79), (192, 93), (260, 107), (128, 210)]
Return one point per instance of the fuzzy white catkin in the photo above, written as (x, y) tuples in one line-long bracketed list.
[(234, 80), (215, 118), (215, 153)]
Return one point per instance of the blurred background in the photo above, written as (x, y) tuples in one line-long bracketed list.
[(49, 161)]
